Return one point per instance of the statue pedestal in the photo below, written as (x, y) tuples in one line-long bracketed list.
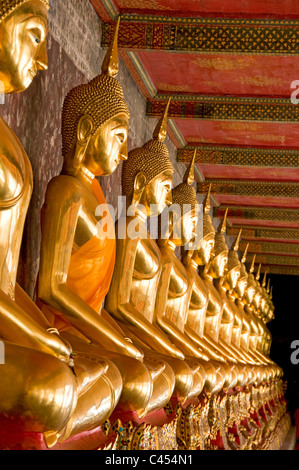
[(14, 436)]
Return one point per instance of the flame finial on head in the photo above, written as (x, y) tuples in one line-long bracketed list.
[(264, 278), (251, 270), (258, 274), (110, 65), (207, 201), (268, 286), (236, 243), (160, 131), (243, 260), (190, 173), (222, 226)]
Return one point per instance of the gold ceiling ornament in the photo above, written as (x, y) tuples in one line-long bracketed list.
[(101, 99), (7, 6), (151, 159)]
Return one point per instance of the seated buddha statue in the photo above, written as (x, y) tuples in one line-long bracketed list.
[(235, 292), (213, 276), (78, 250), (196, 262), (174, 290), (243, 294), (38, 389), (78, 256), (146, 183)]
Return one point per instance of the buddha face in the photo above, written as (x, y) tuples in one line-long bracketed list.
[(232, 278), (218, 266), (23, 45), (157, 194), (107, 147), (241, 287), (204, 250), (249, 295), (257, 300), (182, 229)]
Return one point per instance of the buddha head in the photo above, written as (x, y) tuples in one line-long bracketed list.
[(184, 216), (23, 48), (205, 246), (218, 265), (95, 121), (232, 275), (148, 172)]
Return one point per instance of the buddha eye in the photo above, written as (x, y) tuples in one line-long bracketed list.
[(35, 38)]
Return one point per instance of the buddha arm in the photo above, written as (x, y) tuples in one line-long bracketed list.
[(178, 337), (62, 208), (19, 328), (203, 344), (119, 302)]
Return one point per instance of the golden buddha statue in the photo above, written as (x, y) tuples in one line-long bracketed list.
[(174, 290), (244, 292), (235, 291), (199, 299), (80, 263), (38, 389), (213, 276), (146, 183), (78, 250)]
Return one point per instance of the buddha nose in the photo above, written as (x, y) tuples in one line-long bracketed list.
[(42, 57), (124, 152), (169, 199)]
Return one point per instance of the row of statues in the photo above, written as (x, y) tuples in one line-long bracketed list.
[(119, 324)]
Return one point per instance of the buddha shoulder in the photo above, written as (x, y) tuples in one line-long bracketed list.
[(64, 189), (15, 169)]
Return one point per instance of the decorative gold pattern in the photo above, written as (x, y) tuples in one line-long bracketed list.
[(224, 109), (250, 188), (193, 34), (284, 215), (241, 156), (272, 248), (271, 233)]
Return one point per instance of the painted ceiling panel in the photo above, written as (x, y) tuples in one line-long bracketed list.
[(253, 134), (230, 68), (221, 74)]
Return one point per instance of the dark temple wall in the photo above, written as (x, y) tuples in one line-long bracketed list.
[(75, 56)]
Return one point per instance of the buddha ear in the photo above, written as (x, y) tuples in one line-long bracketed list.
[(139, 182), (85, 129)]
